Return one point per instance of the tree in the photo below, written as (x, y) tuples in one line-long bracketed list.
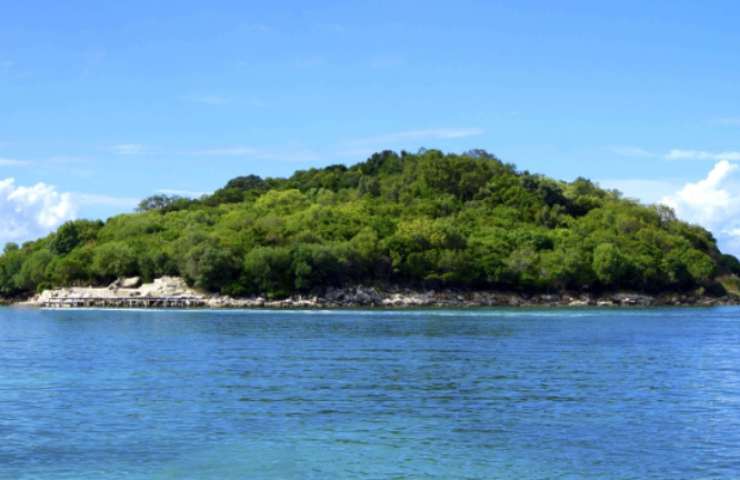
[(699, 265), (163, 203), (609, 265), (524, 266), (66, 238), (268, 270), (114, 260), (32, 274), (71, 269), (237, 190), (247, 183), (316, 266), (210, 266)]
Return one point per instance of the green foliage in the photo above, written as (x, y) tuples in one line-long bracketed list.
[(33, 270), (72, 234), (66, 238), (731, 284), (163, 203), (267, 269), (72, 269), (210, 266), (424, 219), (730, 264), (237, 190), (318, 265), (609, 264), (114, 259)]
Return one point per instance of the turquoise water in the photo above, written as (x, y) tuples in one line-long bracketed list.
[(520, 394)]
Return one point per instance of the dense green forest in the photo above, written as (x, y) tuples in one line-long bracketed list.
[(424, 220)]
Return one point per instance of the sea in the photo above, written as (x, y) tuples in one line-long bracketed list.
[(382, 394)]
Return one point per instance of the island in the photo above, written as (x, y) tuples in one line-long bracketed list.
[(400, 229)]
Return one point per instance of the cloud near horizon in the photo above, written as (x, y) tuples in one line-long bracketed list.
[(714, 203), (30, 212)]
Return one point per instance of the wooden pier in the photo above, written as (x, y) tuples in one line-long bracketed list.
[(124, 302)]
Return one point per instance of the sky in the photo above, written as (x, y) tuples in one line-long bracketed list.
[(103, 102)]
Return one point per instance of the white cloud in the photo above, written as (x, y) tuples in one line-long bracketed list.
[(707, 200), (678, 154), (30, 212), (713, 202), (12, 162), (128, 149)]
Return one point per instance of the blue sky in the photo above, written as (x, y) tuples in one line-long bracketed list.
[(107, 102)]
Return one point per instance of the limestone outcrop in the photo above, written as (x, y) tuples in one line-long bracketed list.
[(173, 292)]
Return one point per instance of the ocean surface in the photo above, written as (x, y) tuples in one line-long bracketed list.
[(466, 394)]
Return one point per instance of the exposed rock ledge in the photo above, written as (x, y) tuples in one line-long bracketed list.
[(172, 292)]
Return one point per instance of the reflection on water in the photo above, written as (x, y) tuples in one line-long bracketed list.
[(357, 394)]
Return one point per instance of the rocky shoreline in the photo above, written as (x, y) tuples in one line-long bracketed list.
[(172, 292)]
